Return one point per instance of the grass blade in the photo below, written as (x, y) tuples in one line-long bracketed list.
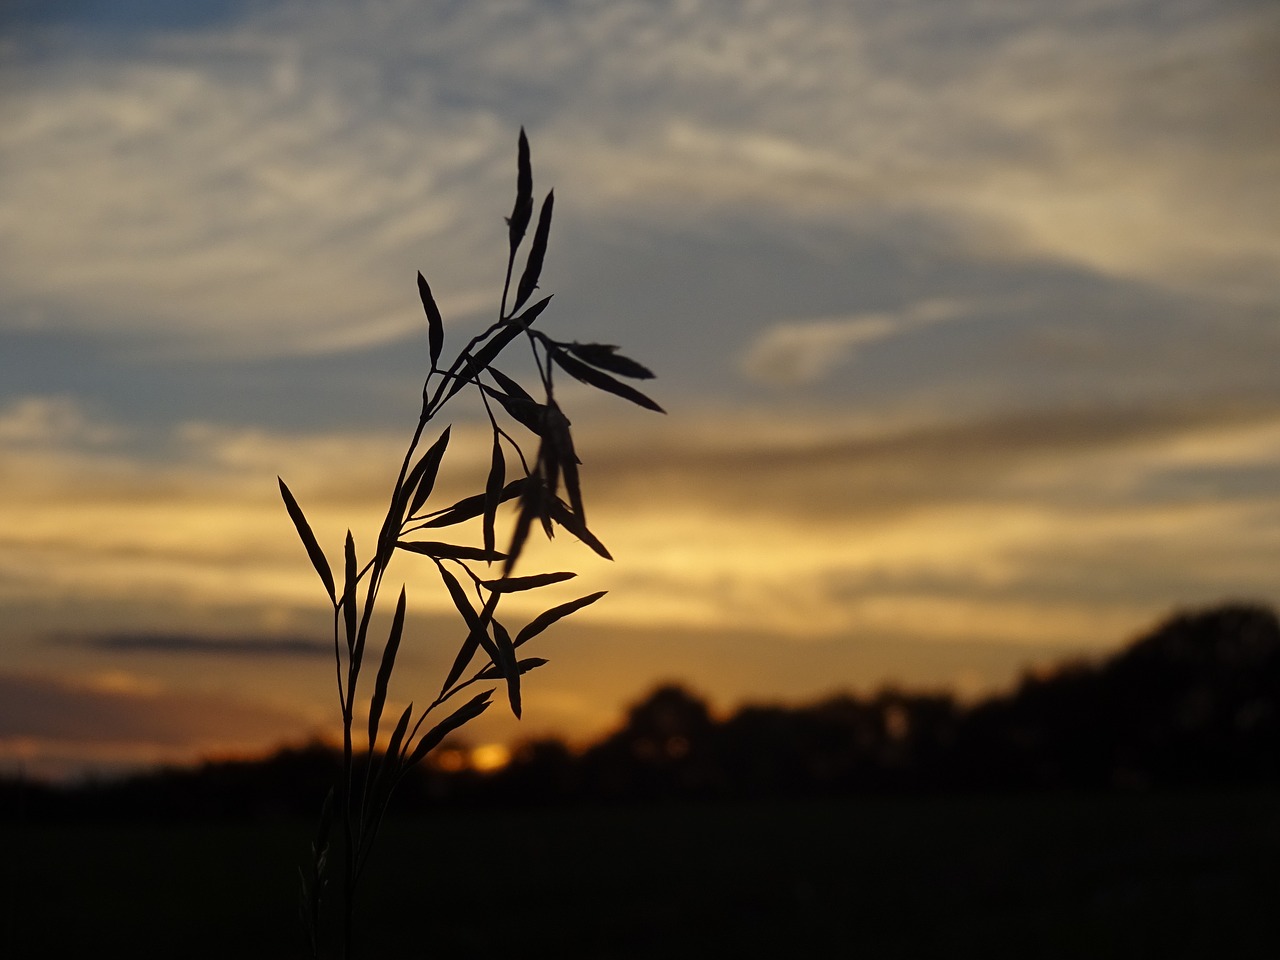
[(526, 412), (464, 714), (547, 618), (422, 478), (491, 672), (506, 663), (602, 381), (511, 387), (562, 515), (537, 252), (477, 624), (606, 357), (435, 323), (309, 541), (468, 508), (384, 671), (518, 222), (449, 551), (474, 365), (515, 584), (566, 458), (493, 494), (349, 591)]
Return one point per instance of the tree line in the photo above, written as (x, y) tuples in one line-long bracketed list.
[(1194, 703)]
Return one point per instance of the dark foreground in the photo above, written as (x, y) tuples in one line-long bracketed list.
[(1125, 876)]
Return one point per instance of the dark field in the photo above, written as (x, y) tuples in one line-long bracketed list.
[(1126, 876)]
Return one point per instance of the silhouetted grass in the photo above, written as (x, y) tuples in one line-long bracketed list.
[(353, 812), (1049, 875)]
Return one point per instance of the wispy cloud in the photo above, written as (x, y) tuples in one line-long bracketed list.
[(51, 726), (804, 351), (268, 184), (235, 646)]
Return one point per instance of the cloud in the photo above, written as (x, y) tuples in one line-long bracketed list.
[(236, 646), (51, 421), (805, 351), (266, 184), (115, 711)]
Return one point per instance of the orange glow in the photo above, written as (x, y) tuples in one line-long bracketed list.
[(490, 757)]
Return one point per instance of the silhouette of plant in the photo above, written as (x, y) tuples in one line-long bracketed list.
[(359, 799)]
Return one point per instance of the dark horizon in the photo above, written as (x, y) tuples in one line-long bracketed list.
[(1195, 702)]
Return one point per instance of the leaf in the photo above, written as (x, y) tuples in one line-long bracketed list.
[(349, 591), (518, 222), (309, 541), (532, 504), (464, 714), (389, 764), (512, 388), (606, 357), (422, 478), (507, 331), (468, 508), (533, 267), (515, 584), (397, 738), (491, 672), (549, 468), (384, 671), (528, 413), (561, 514), (566, 457), (602, 381), (493, 494), (506, 662), (435, 323), (547, 618), (449, 551), (478, 626)]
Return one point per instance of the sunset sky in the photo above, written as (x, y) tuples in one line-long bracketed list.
[(964, 315)]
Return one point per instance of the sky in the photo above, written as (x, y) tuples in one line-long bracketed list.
[(964, 317)]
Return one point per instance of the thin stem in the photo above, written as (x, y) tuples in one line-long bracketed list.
[(506, 284)]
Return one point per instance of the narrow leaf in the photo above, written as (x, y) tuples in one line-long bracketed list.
[(309, 541), (435, 323), (528, 413), (493, 494), (468, 508), (533, 267), (506, 662), (449, 551), (422, 478), (532, 504), (606, 357), (384, 671), (515, 584), (477, 624), (518, 222), (512, 388), (464, 714), (602, 381), (389, 764), (466, 653), (546, 619), (473, 366), (349, 591), (562, 515), (396, 742), (491, 672), (567, 458)]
